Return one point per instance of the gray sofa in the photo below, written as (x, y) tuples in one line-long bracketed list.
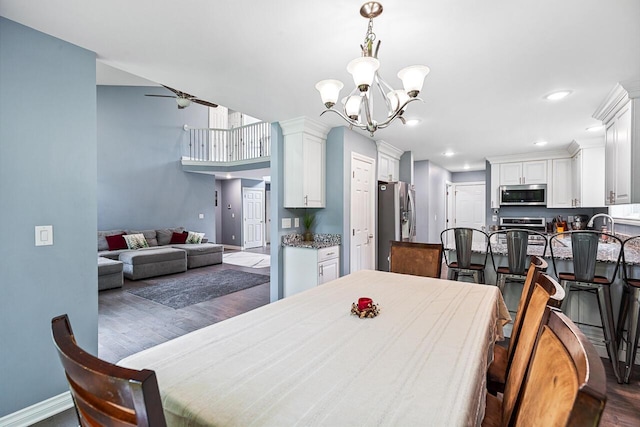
[(161, 257)]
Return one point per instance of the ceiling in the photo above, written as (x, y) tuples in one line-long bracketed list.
[(491, 61)]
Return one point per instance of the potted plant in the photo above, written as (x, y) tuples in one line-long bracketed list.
[(308, 220)]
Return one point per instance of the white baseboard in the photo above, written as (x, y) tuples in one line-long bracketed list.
[(38, 412)]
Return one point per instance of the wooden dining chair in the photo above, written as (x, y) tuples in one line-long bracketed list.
[(564, 385), (418, 259), (105, 394), (502, 357)]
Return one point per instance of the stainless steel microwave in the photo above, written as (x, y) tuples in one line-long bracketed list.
[(523, 195)]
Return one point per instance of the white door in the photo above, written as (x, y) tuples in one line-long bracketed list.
[(362, 227), (469, 205), (253, 217)]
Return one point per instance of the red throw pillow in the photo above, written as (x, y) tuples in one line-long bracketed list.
[(116, 242), (178, 238)]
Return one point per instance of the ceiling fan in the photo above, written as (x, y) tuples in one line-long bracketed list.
[(184, 99)]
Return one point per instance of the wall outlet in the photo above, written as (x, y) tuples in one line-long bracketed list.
[(296, 222), (233, 237), (201, 216), (494, 218), (286, 222), (233, 215)]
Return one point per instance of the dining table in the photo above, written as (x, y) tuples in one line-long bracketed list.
[(307, 360)]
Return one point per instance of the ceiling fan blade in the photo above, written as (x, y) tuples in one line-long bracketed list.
[(161, 96), (179, 93), (202, 102)]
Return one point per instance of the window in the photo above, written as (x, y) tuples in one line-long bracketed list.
[(629, 213)]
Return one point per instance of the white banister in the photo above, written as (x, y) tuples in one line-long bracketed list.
[(229, 145)]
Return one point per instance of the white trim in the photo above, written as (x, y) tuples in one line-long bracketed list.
[(39, 411), (542, 155), (388, 149)]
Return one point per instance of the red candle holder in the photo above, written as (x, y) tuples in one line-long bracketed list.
[(364, 303)]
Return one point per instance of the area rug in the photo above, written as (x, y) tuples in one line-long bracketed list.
[(247, 259), (179, 292)]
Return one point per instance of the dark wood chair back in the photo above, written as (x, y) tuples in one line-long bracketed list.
[(105, 394), (418, 259), (566, 383)]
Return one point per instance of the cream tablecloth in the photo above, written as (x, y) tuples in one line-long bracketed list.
[(306, 361)]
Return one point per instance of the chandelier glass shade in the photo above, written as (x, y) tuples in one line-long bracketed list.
[(357, 107)]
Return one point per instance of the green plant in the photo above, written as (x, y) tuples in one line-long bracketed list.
[(308, 220)]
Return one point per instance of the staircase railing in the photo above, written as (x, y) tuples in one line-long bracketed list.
[(230, 145)]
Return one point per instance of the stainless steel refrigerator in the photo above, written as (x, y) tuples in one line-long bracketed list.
[(396, 217)]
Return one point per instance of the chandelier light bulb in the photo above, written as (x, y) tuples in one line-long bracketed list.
[(329, 91), (363, 70), (352, 106), (413, 78), (397, 98)]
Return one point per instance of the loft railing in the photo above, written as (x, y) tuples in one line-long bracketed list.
[(230, 145)]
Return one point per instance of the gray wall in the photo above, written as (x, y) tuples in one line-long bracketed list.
[(231, 212), (407, 168), (141, 184), (470, 176), (47, 177), (430, 180)]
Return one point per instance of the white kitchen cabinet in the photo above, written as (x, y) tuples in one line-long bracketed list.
[(620, 113), (518, 173), (388, 162), (588, 166), (560, 189), (301, 263), (304, 163)]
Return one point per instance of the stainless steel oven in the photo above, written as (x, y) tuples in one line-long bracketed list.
[(523, 195), (526, 223)]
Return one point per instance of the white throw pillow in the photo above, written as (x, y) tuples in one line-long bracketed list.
[(194, 237), (135, 241)]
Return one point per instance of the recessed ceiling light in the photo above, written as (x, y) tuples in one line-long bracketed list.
[(448, 153), (540, 143), (555, 96), (465, 167), (412, 122), (594, 128), (228, 176)]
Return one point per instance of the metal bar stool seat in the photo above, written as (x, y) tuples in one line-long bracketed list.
[(584, 254), (516, 242), (630, 309), (462, 249)]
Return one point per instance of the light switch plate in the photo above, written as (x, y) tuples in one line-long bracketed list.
[(44, 235), (201, 216), (286, 222)]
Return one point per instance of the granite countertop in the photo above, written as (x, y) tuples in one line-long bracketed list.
[(607, 252), (319, 241)]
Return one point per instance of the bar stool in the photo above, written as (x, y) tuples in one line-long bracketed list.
[(516, 242), (457, 256), (630, 306), (583, 247)]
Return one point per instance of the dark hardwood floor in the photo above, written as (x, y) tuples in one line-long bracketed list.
[(128, 324)]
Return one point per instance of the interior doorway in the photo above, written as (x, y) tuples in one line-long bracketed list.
[(362, 218), (253, 217), (469, 205)]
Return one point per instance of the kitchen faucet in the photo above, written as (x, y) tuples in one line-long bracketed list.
[(590, 223)]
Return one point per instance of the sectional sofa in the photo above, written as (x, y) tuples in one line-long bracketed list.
[(159, 252)]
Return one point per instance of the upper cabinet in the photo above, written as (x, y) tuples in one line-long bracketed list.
[(304, 163), (620, 113), (588, 177), (517, 173), (560, 189), (388, 162)]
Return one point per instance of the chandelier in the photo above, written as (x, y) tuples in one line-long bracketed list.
[(357, 107)]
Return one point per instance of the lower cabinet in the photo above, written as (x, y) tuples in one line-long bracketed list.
[(306, 268)]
